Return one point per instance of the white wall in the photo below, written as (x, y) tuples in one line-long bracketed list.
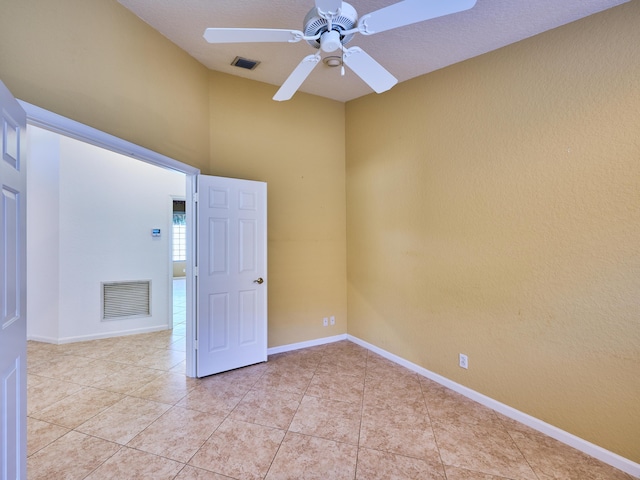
[(43, 235), (108, 205)]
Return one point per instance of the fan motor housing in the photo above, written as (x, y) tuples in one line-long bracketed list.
[(315, 24)]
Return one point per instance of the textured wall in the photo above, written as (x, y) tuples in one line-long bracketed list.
[(493, 208), (297, 147), (97, 63)]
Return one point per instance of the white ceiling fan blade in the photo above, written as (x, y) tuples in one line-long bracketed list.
[(373, 74), (328, 6), (408, 12), (299, 75), (242, 35)]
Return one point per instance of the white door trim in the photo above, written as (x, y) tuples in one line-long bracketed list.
[(42, 118)]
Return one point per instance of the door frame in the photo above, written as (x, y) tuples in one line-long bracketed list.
[(39, 117)]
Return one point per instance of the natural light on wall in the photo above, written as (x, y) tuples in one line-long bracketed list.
[(179, 237)]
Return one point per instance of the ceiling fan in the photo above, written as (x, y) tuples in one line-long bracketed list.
[(330, 25)]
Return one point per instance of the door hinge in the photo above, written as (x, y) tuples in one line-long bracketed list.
[(196, 197), (195, 344), (196, 271)]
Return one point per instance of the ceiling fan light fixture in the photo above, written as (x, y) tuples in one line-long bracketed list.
[(332, 61), (330, 41)]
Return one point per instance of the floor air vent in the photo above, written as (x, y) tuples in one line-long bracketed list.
[(122, 300)]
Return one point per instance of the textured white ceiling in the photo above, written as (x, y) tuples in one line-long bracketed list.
[(406, 52)]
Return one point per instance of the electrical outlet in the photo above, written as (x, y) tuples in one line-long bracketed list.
[(325, 321), (464, 361), (332, 320)]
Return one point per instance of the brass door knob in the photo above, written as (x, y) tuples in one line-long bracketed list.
[(259, 281)]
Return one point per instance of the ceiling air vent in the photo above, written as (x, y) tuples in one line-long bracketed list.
[(122, 300), (245, 63)]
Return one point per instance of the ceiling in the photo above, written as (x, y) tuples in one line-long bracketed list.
[(406, 52)]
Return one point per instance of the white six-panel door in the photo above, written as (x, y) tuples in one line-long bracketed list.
[(232, 274), (13, 325)]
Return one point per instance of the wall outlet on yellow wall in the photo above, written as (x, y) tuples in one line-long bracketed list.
[(463, 361)]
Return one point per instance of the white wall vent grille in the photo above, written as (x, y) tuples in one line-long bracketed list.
[(122, 300)]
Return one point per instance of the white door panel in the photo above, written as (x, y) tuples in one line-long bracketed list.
[(232, 265), (13, 325)]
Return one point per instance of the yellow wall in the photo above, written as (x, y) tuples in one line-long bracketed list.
[(297, 147), (97, 63), (493, 208)]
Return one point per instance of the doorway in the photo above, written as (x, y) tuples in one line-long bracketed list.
[(52, 122)]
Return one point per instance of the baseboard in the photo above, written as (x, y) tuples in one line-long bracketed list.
[(98, 336), (307, 344), (40, 338), (567, 438)]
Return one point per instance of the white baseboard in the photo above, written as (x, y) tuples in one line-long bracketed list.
[(99, 336), (40, 338), (307, 344), (567, 438)]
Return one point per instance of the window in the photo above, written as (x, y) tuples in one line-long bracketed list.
[(179, 237)]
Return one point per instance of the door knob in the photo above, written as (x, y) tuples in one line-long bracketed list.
[(259, 281)]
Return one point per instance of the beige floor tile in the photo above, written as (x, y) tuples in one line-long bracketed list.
[(456, 473), (167, 388), (91, 349), (127, 379), (399, 396), (375, 465), (328, 419), (380, 367), (34, 380), (213, 398), (40, 434), (177, 434), (402, 432), (551, 459), (134, 464), (78, 407), (272, 408), (124, 420), (240, 450), (47, 392), (38, 359), (161, 359), (80, 370), (328, 368), (72, 456), (301, 457), (192, 473), (243, 377), (180, 368), (337, 386), (178, 343), (446, 406), (307, 359), (344, 358), (480, 449), (287, 380), (57, 366), (164, 340), (328, 400), (129, 353)]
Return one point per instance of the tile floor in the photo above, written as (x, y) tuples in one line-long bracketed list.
[(122, 408)]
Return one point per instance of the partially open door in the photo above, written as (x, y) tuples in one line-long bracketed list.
[(231, 282), (13, 288)]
